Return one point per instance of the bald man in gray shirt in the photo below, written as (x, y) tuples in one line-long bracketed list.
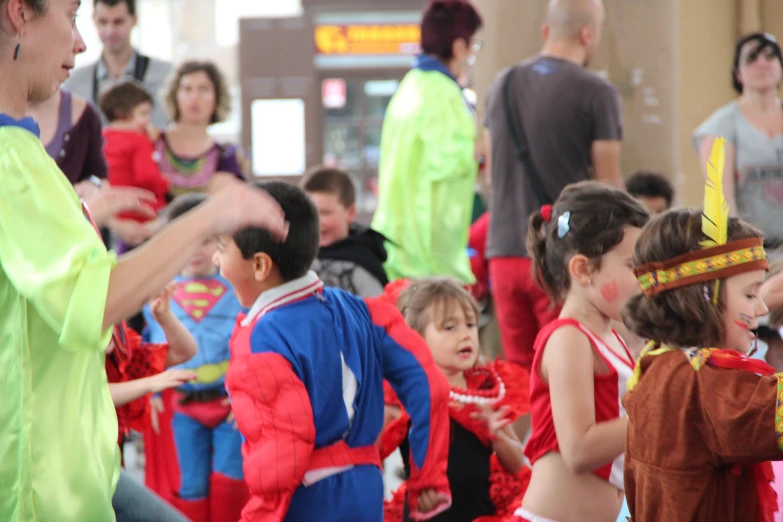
[(571, 121)]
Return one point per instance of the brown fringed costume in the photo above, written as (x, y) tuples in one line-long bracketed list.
[(702, 424)]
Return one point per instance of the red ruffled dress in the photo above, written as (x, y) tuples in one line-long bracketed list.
[(482, 490), (133, 359)]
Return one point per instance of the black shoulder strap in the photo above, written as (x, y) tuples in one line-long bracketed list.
[(142, 64), (95, 83), (139, 72), (521, 148)]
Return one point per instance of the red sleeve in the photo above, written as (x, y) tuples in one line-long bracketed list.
[(424, 392), (115, 151), (146, 360), (393, 435), (517, 382), (274, 414), (146, 172)]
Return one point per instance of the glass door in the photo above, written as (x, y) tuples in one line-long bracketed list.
[(354, 108)]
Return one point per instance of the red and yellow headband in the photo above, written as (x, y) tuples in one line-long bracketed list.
[(719, 258), (709, 264)]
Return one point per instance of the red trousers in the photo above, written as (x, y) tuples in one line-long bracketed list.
[(521, 307)]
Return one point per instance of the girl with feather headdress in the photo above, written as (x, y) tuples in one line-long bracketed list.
[(704, 420)]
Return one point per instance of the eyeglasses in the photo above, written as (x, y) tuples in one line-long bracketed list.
[(476, 45)]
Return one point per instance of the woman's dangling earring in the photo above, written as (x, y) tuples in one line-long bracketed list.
[(16, 50)]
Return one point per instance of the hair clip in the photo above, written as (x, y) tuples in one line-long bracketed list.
[(563, 225), (546, 213)]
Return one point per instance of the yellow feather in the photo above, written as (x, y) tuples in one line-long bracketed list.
[(715, 216)]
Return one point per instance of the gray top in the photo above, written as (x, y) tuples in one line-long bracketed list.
[(759, 166), (82, 79)]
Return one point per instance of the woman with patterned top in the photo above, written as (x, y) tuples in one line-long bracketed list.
[(190, 158)]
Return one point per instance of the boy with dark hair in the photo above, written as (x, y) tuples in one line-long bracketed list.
[(306, 383), (209, 483), (128, 143), (652, 189), (350, 256)]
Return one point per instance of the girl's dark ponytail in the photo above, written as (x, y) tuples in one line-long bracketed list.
[(536, 249), (589, 218)]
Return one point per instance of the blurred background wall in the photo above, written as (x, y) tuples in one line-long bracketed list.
[(670, 59)]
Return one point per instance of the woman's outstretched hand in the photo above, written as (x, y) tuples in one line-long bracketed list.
[(110, 201), (238, 206)]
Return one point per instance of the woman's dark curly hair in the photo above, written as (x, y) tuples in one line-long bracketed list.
[(599, 215), (685, 316)]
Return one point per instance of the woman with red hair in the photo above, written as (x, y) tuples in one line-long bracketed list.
[(427, 169)]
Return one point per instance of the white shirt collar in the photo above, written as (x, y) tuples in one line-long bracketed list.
[(282, 295)]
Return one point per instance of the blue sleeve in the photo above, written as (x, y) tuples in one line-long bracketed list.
[(424, 392)]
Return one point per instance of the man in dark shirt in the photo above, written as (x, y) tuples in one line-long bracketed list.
[(571, 119)]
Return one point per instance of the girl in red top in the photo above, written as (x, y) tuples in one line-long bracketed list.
[(486, 467), (582, 249)]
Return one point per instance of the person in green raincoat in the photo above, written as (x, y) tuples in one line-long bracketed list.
[(427, 171), (61, 291)]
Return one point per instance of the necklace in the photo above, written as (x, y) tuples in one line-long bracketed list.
[(187, 174), (481, 395)]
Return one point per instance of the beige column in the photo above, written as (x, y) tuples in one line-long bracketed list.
[(638, 54), (772, 18), (707, 32), (511, 32), (749, 19)]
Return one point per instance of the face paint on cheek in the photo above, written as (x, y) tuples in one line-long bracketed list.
[(744, 322), (609, 291), (742, 325)]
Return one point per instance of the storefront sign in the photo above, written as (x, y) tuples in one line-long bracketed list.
[(368, 39)]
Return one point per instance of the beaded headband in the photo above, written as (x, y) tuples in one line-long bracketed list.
[(718, 258), (704, 265)]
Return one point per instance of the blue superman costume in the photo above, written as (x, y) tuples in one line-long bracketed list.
[(306, 385), (209, 484)]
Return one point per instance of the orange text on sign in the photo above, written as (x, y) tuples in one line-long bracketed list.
[(367, 39)]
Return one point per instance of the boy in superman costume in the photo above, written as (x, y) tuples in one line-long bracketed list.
[(306, 383), (209, 485)]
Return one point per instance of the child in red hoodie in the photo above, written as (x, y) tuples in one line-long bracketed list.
[(129, 143)]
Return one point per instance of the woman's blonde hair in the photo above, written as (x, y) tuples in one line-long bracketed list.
[(222, 95), (428, 300)]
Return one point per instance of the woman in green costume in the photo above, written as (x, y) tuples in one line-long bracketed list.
[(427, 171), (61, 291)]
